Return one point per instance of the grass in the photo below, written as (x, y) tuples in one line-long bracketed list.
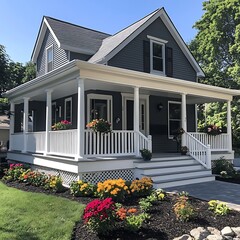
[(36, 216)]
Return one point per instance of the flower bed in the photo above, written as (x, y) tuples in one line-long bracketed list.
[(143, 215)]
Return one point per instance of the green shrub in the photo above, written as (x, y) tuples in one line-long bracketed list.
[(145, 204), (183, 209), (81, 189), (134, 222), (223, 165), (218, 208)]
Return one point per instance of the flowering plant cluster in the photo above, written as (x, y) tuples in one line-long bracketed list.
[(212, 130), (115, 188), (17, 172), (99, 125), (183, 209), (99, 215), (62, 125), (82, 189), (54, 183), (141, 187), (34, 178), (13, 172)]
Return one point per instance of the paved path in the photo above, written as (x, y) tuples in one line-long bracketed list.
[(215, 190)]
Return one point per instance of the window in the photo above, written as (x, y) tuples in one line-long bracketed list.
[(68, 109), (49, 63), (174, 118), (99, 106), (157, 55)]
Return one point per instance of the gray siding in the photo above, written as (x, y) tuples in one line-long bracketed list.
[(131, 56), (60, 56), (159, 123)]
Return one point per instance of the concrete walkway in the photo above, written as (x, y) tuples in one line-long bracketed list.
[(215, 190)]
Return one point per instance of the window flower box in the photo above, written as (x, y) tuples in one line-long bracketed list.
[(62, 125), (99, 125)]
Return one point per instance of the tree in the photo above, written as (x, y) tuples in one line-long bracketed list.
[(4, 61), (30, 72), (217, 48)]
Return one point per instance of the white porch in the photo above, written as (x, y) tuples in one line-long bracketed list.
[(80, 144)]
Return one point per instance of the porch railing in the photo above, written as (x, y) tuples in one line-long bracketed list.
[(17, 141), (36, 142), (217, 143), (114, 143), (63, 142), (198, 150)]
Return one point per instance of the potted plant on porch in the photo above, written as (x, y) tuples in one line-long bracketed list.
[(184, 150), (146, 154), (99, 125)]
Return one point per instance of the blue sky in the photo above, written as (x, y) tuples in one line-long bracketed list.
[(20, 20)]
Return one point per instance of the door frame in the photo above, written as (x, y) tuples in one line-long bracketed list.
[(130, 96)]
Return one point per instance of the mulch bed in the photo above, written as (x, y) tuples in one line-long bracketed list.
[(230, 180), (162, 225)]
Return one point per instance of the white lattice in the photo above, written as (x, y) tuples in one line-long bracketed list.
[(95, 177), (68, 177)]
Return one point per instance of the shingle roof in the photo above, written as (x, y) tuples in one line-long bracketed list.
[(110, 43), (74, 36)]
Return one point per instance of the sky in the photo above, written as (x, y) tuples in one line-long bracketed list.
[(20, 20)]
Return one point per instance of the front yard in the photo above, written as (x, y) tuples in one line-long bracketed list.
[(32, 216)]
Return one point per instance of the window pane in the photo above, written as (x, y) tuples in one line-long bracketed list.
[(157, 64), (99, 109), (157, 50), (174, 126), (68, 112), (50, 59), (174, 111)]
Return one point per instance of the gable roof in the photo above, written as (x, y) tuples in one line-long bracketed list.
[(113, 44), (69, 37)]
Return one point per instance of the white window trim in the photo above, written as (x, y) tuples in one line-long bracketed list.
[(54, 104), (46, 60), (65, 103), (169, 102), (130, 96), (160, 42), (108, 98)]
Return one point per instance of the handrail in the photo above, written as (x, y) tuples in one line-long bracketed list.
[(145, 141), (198, 150)]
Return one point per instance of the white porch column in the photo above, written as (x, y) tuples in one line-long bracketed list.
[(136, 120), (80, 120), (184, 117), (25, 122), (229, 126), (12, 123), (48, 121)]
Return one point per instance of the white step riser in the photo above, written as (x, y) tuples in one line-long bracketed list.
[(164, 164), (183, 182), (179, 158), (171, 170), (171, 177)]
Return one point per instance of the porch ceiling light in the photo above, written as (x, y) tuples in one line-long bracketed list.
[(160, 107)]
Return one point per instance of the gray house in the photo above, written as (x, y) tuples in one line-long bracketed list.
[(143, 80)]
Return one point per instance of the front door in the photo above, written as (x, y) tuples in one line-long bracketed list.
[(129, 115)]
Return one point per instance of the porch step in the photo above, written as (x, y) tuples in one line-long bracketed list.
[(182, 181), (173, 171)]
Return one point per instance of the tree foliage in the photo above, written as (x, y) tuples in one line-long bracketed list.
[(217, 48), (12, 74)]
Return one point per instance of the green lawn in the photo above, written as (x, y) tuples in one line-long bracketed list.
[(35, 216)]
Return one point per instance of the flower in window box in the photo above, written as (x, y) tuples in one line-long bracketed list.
[(62, 125), (212, 130), (99, 125)]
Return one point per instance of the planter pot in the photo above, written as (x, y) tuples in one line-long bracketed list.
[(183, 153), (147, 159)]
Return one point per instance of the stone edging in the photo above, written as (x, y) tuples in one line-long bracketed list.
[(210, 233)]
